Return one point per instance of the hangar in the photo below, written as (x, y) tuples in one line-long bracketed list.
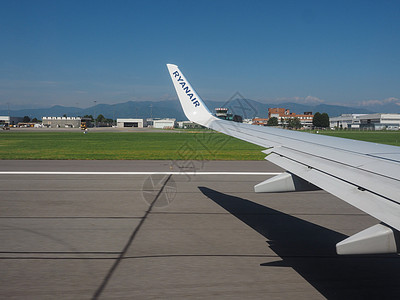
[(346, 121), (7, 120), (164, 123), (138, 123), (62, 122), (380, 121), (367, 121)]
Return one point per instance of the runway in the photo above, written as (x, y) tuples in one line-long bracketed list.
[(176, 230)]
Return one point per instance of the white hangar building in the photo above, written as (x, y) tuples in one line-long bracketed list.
[(366, 121), (345, 121), (380, 121), (137, 123), (164, 123)]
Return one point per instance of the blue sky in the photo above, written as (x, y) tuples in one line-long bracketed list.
[(75, 52)]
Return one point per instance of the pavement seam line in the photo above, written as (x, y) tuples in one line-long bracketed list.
[(128, 244)]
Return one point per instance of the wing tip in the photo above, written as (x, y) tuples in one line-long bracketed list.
[(171, 65)]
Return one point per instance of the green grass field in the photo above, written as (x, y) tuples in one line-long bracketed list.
[(381, 137), (202, 145)]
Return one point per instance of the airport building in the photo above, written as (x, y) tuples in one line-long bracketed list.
[(136, 123), (188, 124), (164, 123), (7, 120), (260, 121), (345, 121), (61, 122), (283, 115), (380, 121), (366, 121), (4, 120), (149, 122)]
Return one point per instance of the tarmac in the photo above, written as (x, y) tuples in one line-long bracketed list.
[(111, 235)]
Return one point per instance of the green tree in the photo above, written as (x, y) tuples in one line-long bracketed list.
[(100, 118), (321, 120), (294, 123), (272, 121), (317, 120), (26, 119), (324, 120), (34, 120)]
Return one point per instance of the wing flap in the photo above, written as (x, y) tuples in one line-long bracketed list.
[(375, 205), (383, 186)]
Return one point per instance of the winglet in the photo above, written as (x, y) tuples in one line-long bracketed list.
[(193, 107)]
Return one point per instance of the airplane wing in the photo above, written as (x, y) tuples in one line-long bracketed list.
[(366, 175)]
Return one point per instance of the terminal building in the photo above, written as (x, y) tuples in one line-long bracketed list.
[(136, 123), (366, 121), (283, 115)]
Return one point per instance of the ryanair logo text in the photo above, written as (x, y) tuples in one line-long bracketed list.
[(186, 89)]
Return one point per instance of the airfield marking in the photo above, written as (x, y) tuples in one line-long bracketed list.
[(133, 173)]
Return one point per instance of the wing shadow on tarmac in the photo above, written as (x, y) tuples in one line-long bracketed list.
[(310, 250)]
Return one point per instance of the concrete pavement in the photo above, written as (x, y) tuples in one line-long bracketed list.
[(179, 236)]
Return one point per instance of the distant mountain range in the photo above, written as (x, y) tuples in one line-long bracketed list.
[(172, 109)]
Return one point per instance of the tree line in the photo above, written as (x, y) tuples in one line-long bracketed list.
[(27, 119), (100, 119)]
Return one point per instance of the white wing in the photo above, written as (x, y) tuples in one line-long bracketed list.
[(366, 175)]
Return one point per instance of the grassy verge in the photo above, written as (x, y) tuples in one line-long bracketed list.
[(123, 145), (190, 145), (381, 137)]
